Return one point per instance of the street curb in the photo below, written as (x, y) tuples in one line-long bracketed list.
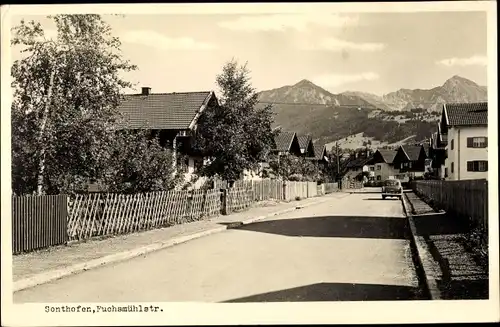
[(424, 257), (53, 275)]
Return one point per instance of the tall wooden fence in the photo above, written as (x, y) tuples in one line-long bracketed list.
[(93, 215), (38, 222), (468, 198)]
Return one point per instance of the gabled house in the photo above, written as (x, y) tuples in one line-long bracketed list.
[(410, 160), (383, 160), (356, 167), (286, 143), (466, 127), (320, 155), (306, 146), (173, 117)]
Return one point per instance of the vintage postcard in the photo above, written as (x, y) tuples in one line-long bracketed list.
[(270, 163)]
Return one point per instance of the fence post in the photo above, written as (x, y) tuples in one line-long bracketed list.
[(223, 197), (284, 191)]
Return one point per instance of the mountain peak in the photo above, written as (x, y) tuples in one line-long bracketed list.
[(458, 81), (305, 82)]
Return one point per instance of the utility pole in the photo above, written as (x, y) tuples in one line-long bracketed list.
[(338, 159)]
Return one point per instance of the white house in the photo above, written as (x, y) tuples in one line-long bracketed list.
[(384, 164), (466, 127)]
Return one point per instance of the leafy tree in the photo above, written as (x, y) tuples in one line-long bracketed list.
[(138, 163), (236, 135), (290, 167), (66, 91)]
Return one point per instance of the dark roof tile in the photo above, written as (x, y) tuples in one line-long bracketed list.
[(162, 110), (304, 141), (284, 141), (463, 114), (388, 155), (412, 151)]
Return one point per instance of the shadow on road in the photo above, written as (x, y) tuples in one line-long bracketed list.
[(380, 199), (334, 226), (336, 292)]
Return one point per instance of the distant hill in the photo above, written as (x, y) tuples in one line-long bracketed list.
[(309, 93), (309, 109)]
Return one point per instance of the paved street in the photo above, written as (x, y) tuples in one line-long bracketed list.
[(350, 248)]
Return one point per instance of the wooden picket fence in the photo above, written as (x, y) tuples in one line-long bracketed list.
[(330, 187), (467, 198), (38, 222), (312, 189), (294, 190), (238, 198), (97, 214), (267, 189)]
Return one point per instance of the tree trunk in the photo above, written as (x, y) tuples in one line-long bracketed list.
[(45, 118)]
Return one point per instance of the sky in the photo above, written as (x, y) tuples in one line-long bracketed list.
[(369, 52)]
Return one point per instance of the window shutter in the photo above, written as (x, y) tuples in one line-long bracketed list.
[(451, 145), (486, 166), (470, 142), (485, 142), (470, 165)]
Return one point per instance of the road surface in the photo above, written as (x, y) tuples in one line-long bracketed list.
[(346, 249)]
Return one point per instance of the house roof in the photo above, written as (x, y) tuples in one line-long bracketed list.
[(319, 150), (426, 148), (163, 110), (358, 162), (388, 155), (304, 141), (284, 141), (463, 114), (412, 151)]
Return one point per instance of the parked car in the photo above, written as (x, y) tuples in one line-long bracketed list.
[(392, 187)]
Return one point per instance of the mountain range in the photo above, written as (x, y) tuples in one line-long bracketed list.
[(455, 89), (307, 108)]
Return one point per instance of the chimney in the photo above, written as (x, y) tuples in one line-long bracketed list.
[(146, 90)]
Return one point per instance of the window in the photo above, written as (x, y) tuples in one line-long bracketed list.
[(477, 142), (479, 165), (379, 167), (446, 172), (372, 168), (452, 144), (379, 177), (409, 165), (452, 167)]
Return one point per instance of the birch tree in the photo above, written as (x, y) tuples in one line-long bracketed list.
[(66, 91)]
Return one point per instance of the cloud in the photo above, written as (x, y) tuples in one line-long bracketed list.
[(334, 80), (338, 45), (160, 41), (282, 22), (471, 61)]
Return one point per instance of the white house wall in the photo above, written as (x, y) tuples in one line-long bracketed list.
[(383, 171), (461, 153)]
